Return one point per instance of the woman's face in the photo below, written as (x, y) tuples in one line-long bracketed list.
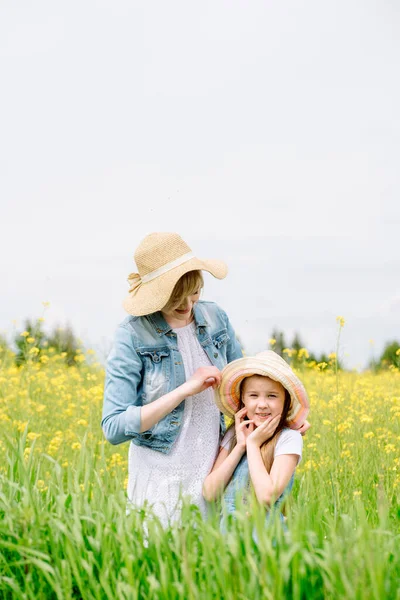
[(263, 397), (183, 312)]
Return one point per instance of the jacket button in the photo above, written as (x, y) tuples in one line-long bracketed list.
[(215, 355)]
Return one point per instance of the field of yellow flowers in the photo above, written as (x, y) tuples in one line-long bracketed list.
[(64, 532)]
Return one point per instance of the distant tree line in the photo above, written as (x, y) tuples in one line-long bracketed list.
[(296, 353), (389, 359), (33, 341)]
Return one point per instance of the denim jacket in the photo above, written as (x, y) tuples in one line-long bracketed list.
[(145, 364)]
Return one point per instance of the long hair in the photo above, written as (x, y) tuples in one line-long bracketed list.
[(190, 283), (268, 447)]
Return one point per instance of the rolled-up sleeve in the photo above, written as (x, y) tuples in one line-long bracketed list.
[(121, 405)]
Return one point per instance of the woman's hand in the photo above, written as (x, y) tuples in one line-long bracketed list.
[(264, 431), (304, 428), (203, 378), (243, 428)]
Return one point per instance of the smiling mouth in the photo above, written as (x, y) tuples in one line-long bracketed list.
[(263, 415), (182, 311)]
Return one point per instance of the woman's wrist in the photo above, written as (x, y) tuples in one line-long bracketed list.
[(186, 389)]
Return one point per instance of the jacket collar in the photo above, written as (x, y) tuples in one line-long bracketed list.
[(162, 327)]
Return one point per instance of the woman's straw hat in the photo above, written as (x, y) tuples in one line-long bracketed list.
[(269, 364), (162, 259)]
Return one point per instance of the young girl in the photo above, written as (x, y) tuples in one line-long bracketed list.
[(262, 447)]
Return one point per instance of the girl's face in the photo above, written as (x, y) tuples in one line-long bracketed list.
[(182, 313), (262, 397)]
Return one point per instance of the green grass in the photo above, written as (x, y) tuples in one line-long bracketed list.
[(64, 532), (69, 542)]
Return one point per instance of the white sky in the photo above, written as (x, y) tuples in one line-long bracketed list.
[(266, 133)]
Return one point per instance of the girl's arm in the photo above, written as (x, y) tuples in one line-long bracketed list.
[(269, 486), (222, 471)]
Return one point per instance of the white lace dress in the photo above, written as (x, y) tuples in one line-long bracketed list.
[(159, 478)]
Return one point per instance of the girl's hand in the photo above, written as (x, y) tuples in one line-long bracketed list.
[(243, 428), (203, 378), (264, 431)]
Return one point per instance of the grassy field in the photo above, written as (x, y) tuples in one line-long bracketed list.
[(64, 532)]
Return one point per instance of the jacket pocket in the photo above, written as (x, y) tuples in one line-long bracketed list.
[(156, 372), (220, 339)]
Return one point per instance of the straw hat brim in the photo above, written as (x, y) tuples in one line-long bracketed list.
[(153, 295), (227, 396)]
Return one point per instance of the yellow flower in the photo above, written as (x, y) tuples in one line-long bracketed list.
[(272, 341), (341, 321), (33, 436), (369, 435), (40, 484), (389, 448), (398, 352), (30, 340), (288, 351), (34, 351), (46, 304), (24, 334), (357, 493), (76, 446)]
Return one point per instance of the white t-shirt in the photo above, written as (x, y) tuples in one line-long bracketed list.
[(289, 442)]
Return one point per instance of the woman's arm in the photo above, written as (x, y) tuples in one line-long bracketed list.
[(202, 378), (123, 413), (269, 486), (234, 349), (121, 406)]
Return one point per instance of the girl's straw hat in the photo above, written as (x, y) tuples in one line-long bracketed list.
[(269, 364), (162, 259)]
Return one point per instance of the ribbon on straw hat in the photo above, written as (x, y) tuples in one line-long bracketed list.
[(161, 260), (268, 364)]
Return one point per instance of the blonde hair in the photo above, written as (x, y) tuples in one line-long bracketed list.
[(190, 283)]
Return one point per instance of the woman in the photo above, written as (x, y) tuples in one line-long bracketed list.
[(166, 359)]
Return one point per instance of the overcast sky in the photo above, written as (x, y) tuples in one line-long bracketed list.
[(266, 133)]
